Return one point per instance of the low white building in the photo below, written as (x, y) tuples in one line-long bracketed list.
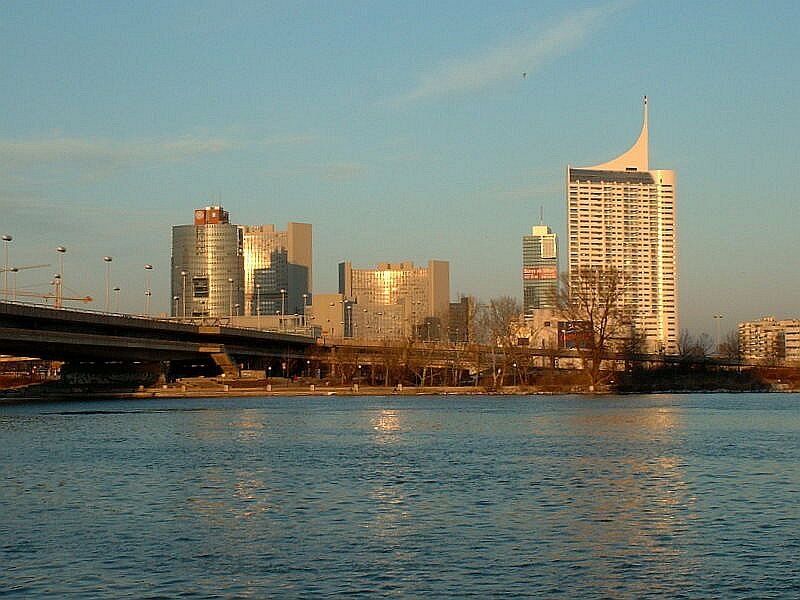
[(770, 340)]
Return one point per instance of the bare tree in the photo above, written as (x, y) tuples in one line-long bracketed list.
[(592, 300), (500, 321), (686, 343), (704, 346), (394, 356), (346, 359), (729, 346), (694, 347)]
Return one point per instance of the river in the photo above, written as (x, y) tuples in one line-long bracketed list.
[(658, 496)]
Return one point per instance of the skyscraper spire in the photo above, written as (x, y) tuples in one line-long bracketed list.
[(636, 158)]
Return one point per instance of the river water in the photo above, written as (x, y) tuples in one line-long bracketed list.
[(692, 496)]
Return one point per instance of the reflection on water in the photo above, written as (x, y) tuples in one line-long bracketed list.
[(549, 497)]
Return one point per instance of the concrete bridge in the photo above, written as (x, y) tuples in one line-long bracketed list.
[(79, 336)]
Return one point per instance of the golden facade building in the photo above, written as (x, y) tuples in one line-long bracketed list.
[(396, 300), (277, 269), (622, 215)]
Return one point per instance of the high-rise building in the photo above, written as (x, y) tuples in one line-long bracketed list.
[(277, 269), (621, 215), (396, 300), (207, 274), (539, 269)]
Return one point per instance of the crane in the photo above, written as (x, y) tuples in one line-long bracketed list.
[(55, 297), (16, 270)]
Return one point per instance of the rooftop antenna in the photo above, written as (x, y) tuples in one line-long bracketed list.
[(541, 214)]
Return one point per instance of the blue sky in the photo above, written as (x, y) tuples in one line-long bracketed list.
[(400, 130)]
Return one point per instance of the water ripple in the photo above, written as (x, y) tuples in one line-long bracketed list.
[(636, 497)]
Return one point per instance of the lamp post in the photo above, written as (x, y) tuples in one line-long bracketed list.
[(147, 292), (108, 260), (283, 301), (14, 271), (230, 296), (6, 241), (62, 250), (175, 305), (183, 292), (258, 305), (56, 283), (717, 319), (115, 305)]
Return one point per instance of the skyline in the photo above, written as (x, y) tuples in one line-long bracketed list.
[(406, 128)]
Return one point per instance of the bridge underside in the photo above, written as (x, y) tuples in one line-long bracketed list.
[(77, 336)]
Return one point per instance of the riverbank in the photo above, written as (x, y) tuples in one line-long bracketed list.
[(218, 388)]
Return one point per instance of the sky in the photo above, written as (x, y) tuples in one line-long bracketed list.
[(400, 130)]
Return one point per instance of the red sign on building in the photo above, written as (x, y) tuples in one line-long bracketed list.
[(536, 273)]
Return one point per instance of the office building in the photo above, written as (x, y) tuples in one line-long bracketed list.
[(396, 301), (277, 269), (539, 269), (621, 215), (462, 319), (326, 315), (207, 266)]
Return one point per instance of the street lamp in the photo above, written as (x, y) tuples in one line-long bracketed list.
[(147, 292), (230, 296), (108, 260), (717, 319), (183, 292), (14, 271), (348, 321), (59, 293), (175, 305), (115, 305), (6, 241), (258, 305), (283, 301), (56, 283)]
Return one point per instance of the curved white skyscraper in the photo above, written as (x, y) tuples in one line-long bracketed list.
[(621, 214)]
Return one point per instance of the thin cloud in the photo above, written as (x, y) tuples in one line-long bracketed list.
[(105, 151), (508, 61), (344, 171), (64, 149), (287, 139)]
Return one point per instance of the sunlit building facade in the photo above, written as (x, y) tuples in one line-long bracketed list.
[(396, 300), (770, 340), (622, 215), (207, 261), (277, 269), (539, 269)]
